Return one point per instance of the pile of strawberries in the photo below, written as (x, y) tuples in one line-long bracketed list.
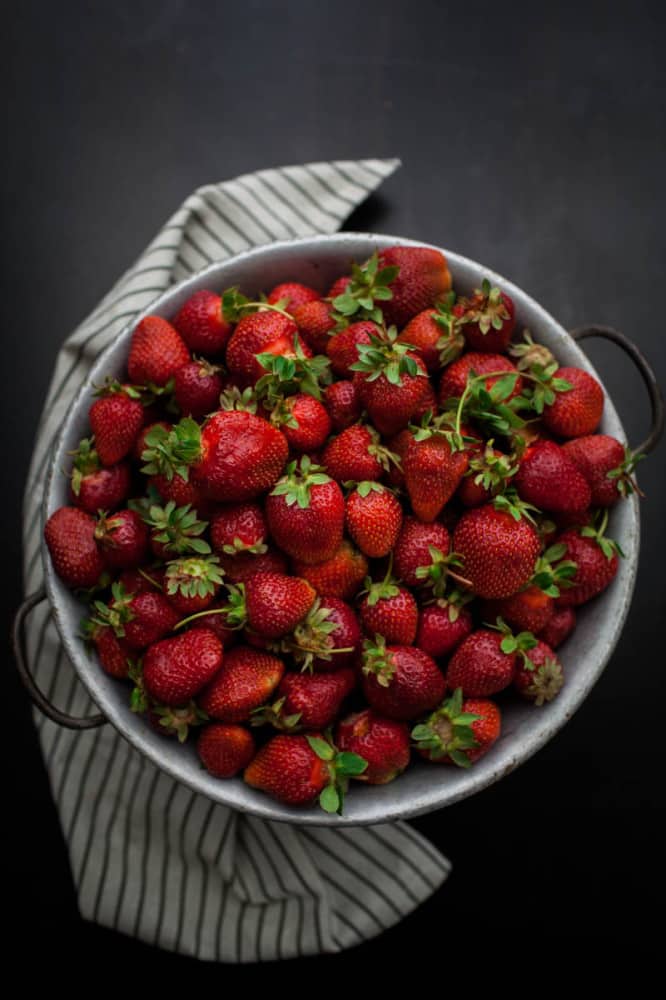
[(318, 533)]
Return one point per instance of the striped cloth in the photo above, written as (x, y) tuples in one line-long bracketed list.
[(149, 857)]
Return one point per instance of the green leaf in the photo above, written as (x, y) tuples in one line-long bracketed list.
[(459, 758), (323, 749), (329, 799), (350, 763)]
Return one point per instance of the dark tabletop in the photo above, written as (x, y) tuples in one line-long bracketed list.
[(533, 142)]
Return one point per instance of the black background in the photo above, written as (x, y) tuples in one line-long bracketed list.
[(533, 141)]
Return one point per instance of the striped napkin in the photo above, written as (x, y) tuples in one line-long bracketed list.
[(149, 857)]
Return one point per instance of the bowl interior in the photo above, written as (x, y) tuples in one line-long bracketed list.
[(318, 261)]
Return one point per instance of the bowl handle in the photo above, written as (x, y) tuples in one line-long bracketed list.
[(42, 703), (647, 374)]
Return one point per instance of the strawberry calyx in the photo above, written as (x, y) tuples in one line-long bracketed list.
[(114, 615), (342, 765), (623, 473), (437, 573), (286, 375), (385, 356), (546, 682), (179, 720), (235, 305), (491, 470), (274, 716), (112, 387), (447, 732), (172, 452), (177, 528), (453, 602), (549, 577), (519, 643), (368, 286), (381, 590), (378, 661), (443, 425), (384, 455), (297, 484), (510, 503), (485, 307), (596, 530), (312, 638), (531, 355), (105, 526), (86, 462), (233, 399), (193, 576), (451, 342), (492, 407), (140, 700)]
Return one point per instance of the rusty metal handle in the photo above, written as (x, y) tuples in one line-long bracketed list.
[(646, 372), (38, 698)]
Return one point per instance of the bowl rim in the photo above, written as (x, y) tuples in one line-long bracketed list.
[(265, 807)]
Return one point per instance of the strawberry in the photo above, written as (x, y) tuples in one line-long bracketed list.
[(541, 678), (607, 466), (412, 549), (303, 420), (240, 568), (138, 619), (383, 743), (391, 382), (530, 609), (240, 456), (489, 473), (93, 487), (225, 750), (486, 318), (329, 637), (197, 388), (399, 446), (342, 401), (307, 701), (240, 527), (292, 294), (480, 666), (180, 491), (390, 611), (454, 379), (459, 732), (140, 445), (247, 678), (114, 654), (172, 722), (342, 347), (156, 352), (400, 682), (596, 559), (201, 324), (560, 626), (175, 530), (433, 337), (174, 670), (272, 604), (116, 420), (263, 332), (192, 583), (122, 537), (340, 576), (433, 470), (442, 626), (577, 411), (423, 277), (298, 769), (373, 517), (315, 323), (356, 455), (498, 549), (339, 286), (548, 479), (305, 513)]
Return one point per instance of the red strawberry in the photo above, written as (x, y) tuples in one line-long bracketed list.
[(390, 611), (308, 701), (95, 488), (433, 470), (454, 379), (391, 381), (274, 604), (263, 332), (339, 286), (441, 627), (459, 732), (479, 665), (306, 512), (239, 527), (412, 549), (315, 323), (197, 388), (247, 678), (303, 420), (560, 626), (182, 492), (139, 619), (114, 653), (486, 318), (400, 682), (489, 473), (123, 538), (577, 411), (383, 743), (156, 352), (548, 479), (399, 446), (241, 456), (356, 455), (433, 337), (225, 750), (541, 678), (373, 517), (293, 294), (530, 609), (240, 568), (328, 638), (342, 347), (201, 324), (174, 670), (340, 576), (343, 404), (116, 420), (172, 722), (175, 531), (607, 466), (596, 559), (423, 278), (192, 583), (498, 551)]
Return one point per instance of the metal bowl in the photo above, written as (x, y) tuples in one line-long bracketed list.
[(317, 261)]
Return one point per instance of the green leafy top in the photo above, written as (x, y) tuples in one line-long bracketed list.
[(276, 717), (297, 484), (491, 469), (451, 343), (235, 305), (288, 375), (193, 576), (520, 643), (381, 590), (233, 399), (552, 571), (530, 354), (313, 638), (369, 285), (437, 573), (116, 614), (447, 732), (177, 528), (510, 503), (490, 406), (378, 660), (385, 356), (172, 452), (626, 483), (342, 765), (485, 307), (596, 530), (86, 461)]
